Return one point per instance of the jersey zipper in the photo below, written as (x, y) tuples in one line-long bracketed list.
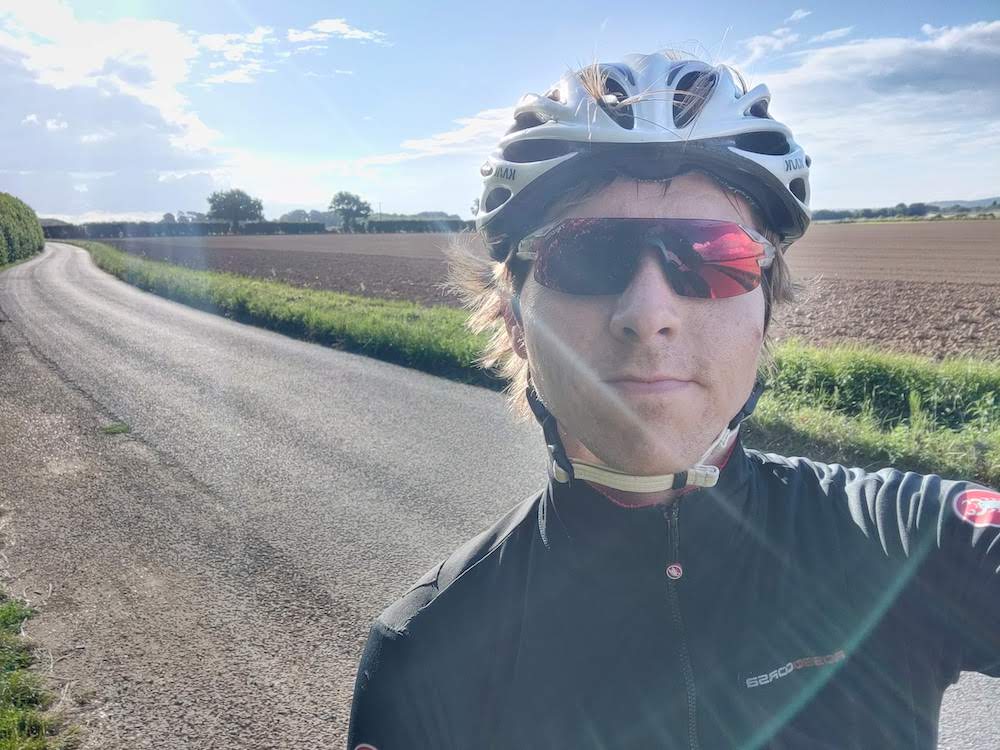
[(672, 516)]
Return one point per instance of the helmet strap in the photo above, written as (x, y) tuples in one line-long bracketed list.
[(564, 470)]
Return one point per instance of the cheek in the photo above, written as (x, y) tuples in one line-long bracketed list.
[(746, 336), (559, 332)]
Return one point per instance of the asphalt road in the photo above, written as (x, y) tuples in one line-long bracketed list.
[(215, 570)]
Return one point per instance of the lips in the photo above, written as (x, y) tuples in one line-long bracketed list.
[(650, 384)]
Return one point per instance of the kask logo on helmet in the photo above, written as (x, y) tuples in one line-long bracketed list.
[(981, 508)]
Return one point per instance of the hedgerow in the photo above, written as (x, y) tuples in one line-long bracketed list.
[(20, 233)]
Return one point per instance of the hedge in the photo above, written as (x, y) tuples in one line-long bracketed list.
[(20, 233)]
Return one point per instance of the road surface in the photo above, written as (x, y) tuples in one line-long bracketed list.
[(213, 572)]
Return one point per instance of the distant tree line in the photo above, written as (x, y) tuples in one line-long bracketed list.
[(899, 210), (236, 212)]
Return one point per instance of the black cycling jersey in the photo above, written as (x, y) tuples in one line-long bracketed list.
[(794, 605)]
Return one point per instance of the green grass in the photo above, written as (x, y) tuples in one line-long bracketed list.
[(116, 428), (847, 404), (24, 723), (855, 380)]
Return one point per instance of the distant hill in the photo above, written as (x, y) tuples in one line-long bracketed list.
[(52, 222), (981, 203)]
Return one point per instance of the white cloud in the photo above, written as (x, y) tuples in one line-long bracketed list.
[(54, 123), (145, 59), (911, 115), (335, 27), (761, 45), (30, 120), (334, 74), (433, 164), (797, 15), (295, 35), (476, 135), (244, 74), (242, 55), (829, 36), (97, 137)]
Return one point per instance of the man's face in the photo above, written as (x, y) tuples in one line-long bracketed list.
[(579, 347)]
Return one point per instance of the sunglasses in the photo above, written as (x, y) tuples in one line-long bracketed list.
[(702, 258)]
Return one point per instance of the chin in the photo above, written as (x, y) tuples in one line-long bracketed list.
[(651, 460)]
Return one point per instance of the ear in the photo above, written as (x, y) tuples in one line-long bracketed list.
[(515, 327)]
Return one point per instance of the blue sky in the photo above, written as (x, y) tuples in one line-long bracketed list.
[(134, 108)]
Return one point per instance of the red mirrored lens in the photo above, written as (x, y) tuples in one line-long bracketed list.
[(702, 258)]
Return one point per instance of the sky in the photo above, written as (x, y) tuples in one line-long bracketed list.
[(132, 108)]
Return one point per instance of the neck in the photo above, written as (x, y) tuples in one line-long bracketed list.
[(717, 457)]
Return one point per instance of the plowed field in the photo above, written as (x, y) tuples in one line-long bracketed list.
[(927, 287)]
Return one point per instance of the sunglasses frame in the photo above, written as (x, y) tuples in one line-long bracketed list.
[(770, 251)]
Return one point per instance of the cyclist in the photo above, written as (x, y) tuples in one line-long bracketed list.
[(669, 588)]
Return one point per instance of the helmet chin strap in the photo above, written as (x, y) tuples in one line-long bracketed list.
[(565, 469)]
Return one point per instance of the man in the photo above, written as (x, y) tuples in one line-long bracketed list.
[(668, 588)]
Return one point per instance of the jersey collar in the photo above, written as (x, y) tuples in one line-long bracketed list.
[(583, 526)]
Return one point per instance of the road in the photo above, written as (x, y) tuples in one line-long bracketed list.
[(214, 571)]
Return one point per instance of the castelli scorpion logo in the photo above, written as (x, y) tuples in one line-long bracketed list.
[(981, 508)]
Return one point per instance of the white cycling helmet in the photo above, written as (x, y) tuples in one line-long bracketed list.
[(651, 117)]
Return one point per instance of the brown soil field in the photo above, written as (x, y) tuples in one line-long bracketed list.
[(930, 288)]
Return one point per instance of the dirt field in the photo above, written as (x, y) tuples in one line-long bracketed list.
[(931, 288)]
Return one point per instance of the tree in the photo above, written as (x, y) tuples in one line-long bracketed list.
[(350, 208), (297, 216), (917, 209), (168, 218), (234, 206)]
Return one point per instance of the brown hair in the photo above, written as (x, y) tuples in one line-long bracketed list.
[(485, 288)]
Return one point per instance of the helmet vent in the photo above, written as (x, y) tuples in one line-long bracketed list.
[(690, 95), (554, 94), (798, 188), (496, 198), (621, 115), (773, 144), (535, 149), (759, 109), (524, 121)]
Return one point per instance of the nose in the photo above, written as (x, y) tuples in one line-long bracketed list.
[(649, 306)]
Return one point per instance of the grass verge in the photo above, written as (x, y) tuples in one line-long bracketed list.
[(24, 723), (847, 404)]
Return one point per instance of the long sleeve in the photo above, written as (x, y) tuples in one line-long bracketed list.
[(953, 529), (394, 702)]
